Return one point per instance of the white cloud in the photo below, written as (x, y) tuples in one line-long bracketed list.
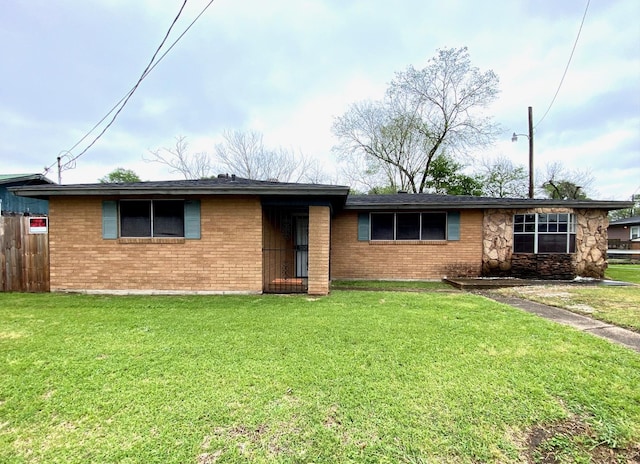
[(288, 68)]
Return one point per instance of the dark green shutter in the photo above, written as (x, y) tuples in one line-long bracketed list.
[(110, 220), (192, 219), (363, 226), (453, 225)]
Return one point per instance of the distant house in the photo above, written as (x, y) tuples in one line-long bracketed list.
[(624, 238), (234, 235), (13, 204)]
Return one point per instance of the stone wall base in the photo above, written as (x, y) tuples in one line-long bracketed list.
[(557, 266)]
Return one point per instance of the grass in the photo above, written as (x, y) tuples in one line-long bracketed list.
[(624, 272), (615, 305), (390, 285), (354, 377)]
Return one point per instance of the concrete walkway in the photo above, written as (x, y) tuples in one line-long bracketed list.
[(601, 329)]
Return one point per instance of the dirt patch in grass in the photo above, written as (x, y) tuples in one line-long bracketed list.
[(573, 440)]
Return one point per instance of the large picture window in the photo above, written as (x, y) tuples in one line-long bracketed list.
[(544, 233), (634, 233), (152, 218), (408, 226)]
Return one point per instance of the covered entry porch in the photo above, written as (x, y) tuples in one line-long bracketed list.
[(295, 248)]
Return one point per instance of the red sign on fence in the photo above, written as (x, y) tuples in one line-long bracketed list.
[(37, 225)]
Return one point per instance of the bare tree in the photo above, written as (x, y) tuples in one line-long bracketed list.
[(245, 154), (503, 179), (179, 160), (384, 139), (425, 112), (559, 182)]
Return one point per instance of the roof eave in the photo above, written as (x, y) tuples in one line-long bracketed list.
[(115, 190), (27, 178), (595, 204)]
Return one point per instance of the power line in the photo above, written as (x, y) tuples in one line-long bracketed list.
[(123, 101), (568, 63)]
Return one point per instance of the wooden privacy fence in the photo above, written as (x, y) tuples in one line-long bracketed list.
[(24, 257)]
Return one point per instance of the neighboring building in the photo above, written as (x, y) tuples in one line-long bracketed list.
[(12, 204), (624, 238), (233, 235)]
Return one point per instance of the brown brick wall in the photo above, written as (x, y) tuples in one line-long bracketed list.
[(228, 257), (319, 233), (352, 259)]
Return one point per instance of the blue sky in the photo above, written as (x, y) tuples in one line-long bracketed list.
[(287, 68)]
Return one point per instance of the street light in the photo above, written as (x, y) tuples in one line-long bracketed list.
[(514, 138)]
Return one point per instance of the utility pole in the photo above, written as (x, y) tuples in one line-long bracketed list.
[(530, 152), (514, 138)]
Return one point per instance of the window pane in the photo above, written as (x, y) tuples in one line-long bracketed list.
[(529, 227), (542, 227), (563, 217), (518, 218), (552, 243), (553, 218), (382, 226), (408, 226), (542, 217), (523, 243), (562, 227), (572, 243), (518, 227), (135, 218), (553, 227), (530, 217), (168, 218), (434, 226)]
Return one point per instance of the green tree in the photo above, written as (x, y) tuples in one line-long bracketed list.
[(564, 190), (446, 178), (560, 183), (502, 179), (119, 175)]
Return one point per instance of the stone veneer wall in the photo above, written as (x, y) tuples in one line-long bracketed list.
[(559, 266), (589, 259), (591, 242)]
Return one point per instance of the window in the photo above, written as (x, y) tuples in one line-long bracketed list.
[(544, 233), (408, 226), (152, 218), (635, 233)]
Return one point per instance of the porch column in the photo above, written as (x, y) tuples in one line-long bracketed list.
[(319, 231)]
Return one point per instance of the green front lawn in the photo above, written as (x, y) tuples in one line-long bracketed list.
[(624, 272), (353, 377), (391, 285), (615, 305)]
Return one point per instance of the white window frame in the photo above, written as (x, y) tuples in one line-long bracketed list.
[(571, 231), (634, 233)]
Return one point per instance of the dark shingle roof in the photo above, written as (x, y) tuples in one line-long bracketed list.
[(222, 185), (30, 178), (232, 185), (626, 221), (433, 201)]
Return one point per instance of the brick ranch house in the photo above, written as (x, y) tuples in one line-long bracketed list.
[(234, 235)]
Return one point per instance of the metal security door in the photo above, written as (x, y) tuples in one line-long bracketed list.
[(302, 246), (285, 238)]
